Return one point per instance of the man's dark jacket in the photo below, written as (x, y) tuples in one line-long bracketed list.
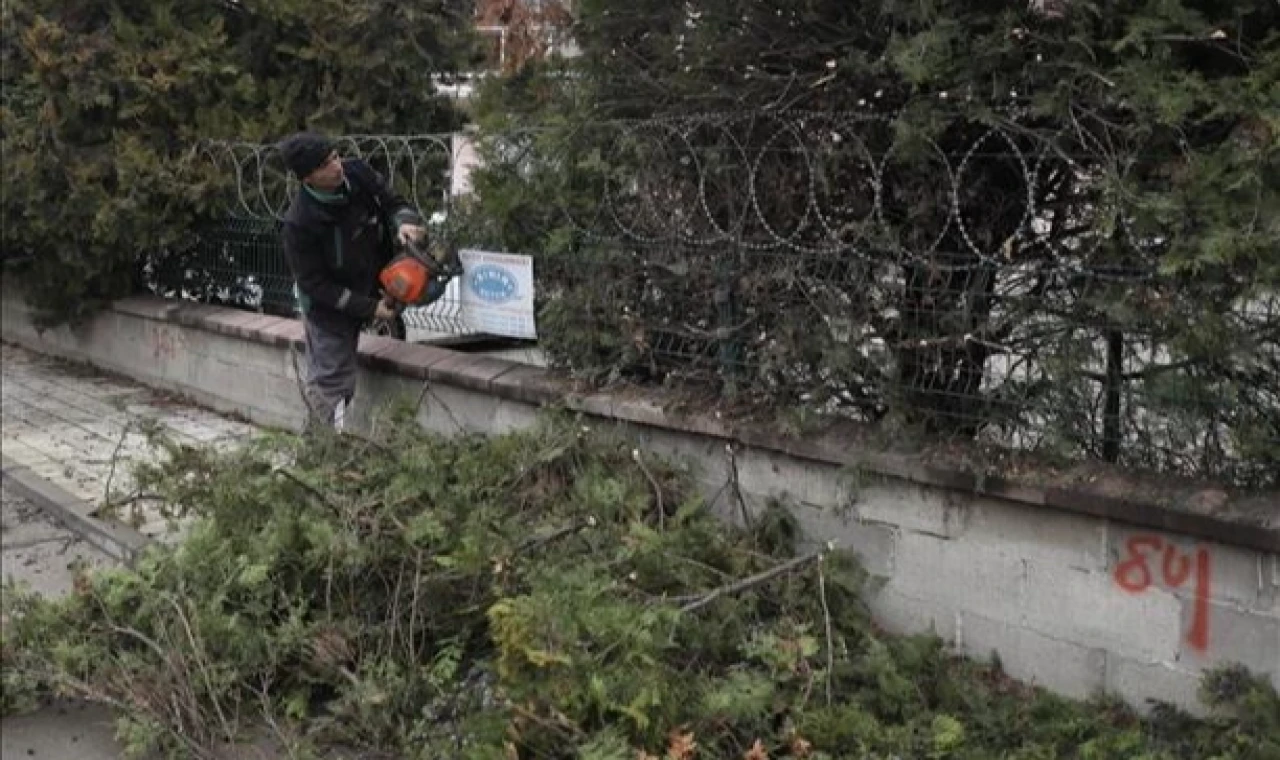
[(336, 249)]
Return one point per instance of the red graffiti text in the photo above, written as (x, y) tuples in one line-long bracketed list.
[(1146, 555)]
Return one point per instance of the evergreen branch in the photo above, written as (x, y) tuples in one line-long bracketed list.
[(365, 440), (92, 693), (204, 670), (1147, 372), (428, 390), (115, 457), (125, 501), (534, 544), (826, 620), (749, 582), (695, 563), (167, 657), (560, 723), (657, 488), (304, 485), (735, 486)]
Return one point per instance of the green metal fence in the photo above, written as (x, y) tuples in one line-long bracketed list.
[(988, 284), (999, 282)]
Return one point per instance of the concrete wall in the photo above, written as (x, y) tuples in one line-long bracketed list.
[(1074, 603), (1069, 600)]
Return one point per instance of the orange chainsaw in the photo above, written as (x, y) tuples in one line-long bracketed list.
[(418, 277)]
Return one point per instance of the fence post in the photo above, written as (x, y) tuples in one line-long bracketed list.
[(729, 342), (1111, 421)]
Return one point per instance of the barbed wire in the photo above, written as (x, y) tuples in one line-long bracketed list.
[(994, 280), (419, 166), (749, 150), (242, 255), (813, 148)]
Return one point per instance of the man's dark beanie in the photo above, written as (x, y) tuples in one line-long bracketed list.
[(304, 152)]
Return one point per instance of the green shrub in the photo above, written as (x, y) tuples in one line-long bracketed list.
[(548, 594), (105, 104)]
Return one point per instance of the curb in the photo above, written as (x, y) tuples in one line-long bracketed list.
[(120, 542)]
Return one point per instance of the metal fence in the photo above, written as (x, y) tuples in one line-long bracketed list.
[(238, 260), (995, 281), (998, 282)]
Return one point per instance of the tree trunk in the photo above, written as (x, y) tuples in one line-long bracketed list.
[(1114, 386)]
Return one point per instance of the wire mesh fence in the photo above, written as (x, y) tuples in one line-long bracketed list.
[(991, 281), (237, 258), (994, 281)]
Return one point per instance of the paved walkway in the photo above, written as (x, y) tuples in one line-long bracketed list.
[(39, 551), (81, 430), (45, 556)]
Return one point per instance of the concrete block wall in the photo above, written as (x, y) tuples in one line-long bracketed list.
[(220, 370), (1077, 604), (1067, 601), (1082, 598)]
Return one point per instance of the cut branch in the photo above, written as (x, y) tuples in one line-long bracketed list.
[(749, 582), (537, 543), (657, 488), (304, 485)]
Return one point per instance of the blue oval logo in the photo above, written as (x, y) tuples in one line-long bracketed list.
[(493, 284)]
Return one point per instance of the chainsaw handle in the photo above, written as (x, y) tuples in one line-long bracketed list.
[(392, 303), (449, 265)]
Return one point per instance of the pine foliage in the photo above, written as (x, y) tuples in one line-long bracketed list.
[(1053, 226), (105, 104), (549, 594)]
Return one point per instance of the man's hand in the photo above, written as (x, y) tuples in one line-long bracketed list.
[(411, 233), (385, 310)]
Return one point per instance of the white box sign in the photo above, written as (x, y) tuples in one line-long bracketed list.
[(497, 293)]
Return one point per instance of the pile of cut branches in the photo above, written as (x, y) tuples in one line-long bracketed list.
[(549, 594)]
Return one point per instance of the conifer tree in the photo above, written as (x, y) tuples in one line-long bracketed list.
[(1145, 131), (104, 102)]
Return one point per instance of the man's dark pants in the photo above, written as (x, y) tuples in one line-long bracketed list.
[(331, 368)]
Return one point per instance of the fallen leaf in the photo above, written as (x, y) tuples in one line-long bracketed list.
[(682, 746), (800, 748), (757, 752)]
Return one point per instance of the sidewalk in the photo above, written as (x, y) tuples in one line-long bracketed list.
[(36, 550), (43, 554), (81, 430), (67, 432)]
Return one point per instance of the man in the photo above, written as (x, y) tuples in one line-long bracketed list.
[(337, 238)]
